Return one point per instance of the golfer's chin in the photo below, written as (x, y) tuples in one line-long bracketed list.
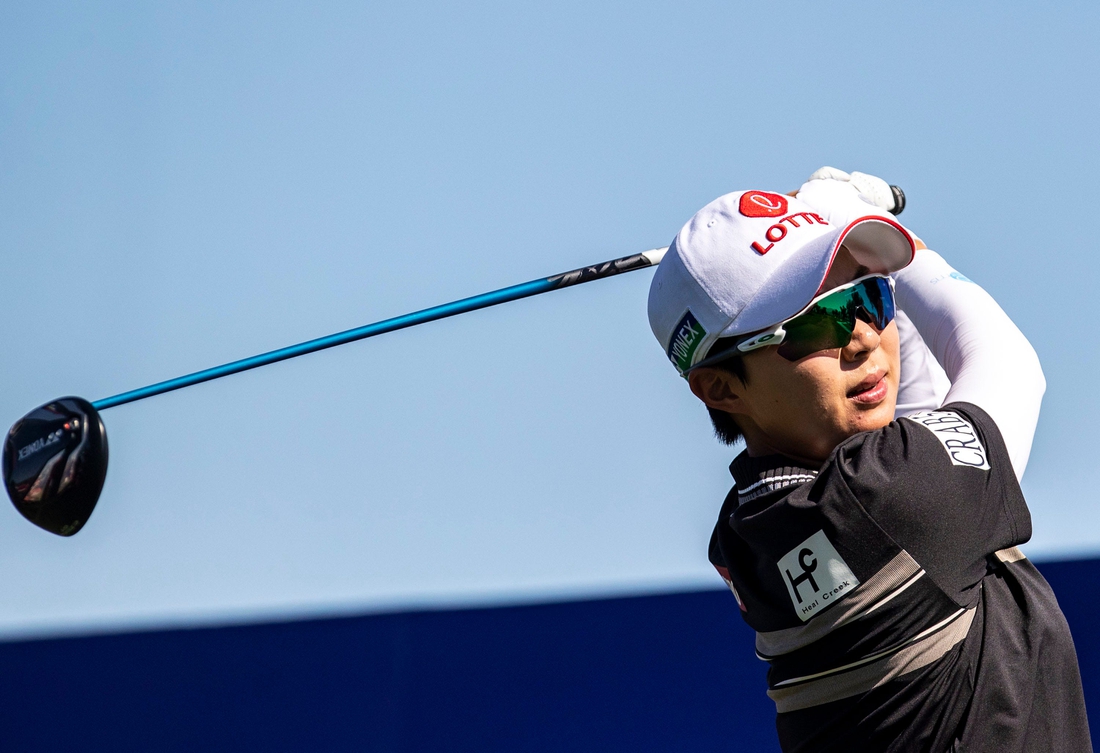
[(854, 413), (870, 409)]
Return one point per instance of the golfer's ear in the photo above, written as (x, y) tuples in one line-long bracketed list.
[(718, 389)]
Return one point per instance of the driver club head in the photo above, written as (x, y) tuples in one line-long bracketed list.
[(55, 462)]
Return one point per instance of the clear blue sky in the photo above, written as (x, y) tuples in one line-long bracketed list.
[(186, 184)]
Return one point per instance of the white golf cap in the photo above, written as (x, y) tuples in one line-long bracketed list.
[(749, 260)]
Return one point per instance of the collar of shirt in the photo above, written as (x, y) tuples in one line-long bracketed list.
[(757, 476)]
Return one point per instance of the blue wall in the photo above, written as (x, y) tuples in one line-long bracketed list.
[(653, 673)]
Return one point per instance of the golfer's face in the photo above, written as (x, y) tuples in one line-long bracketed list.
[(806, 408)]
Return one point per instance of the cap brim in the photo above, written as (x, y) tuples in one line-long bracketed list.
[(878, 243)]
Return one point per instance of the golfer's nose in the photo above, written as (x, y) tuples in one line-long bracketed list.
[(865, 338)]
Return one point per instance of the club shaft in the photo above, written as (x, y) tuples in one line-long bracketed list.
[(485, 300)]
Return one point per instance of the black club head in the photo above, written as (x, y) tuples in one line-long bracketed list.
[(55, 462)]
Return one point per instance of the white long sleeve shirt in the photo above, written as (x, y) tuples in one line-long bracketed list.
[(986, 358)]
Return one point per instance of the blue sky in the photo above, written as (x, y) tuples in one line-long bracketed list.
[(187, 184)]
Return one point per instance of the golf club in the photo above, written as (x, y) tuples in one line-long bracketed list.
[(55, 457)]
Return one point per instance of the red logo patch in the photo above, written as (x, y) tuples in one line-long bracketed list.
[(762, 204)]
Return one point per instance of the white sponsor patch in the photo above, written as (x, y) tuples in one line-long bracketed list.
[(815, 575), (957, 435)]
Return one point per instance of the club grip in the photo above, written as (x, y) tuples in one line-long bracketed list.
[(899, 200)]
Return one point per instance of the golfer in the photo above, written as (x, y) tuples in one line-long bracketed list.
[(873, 552)]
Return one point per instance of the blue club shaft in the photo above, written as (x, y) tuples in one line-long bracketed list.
[(512, 293)]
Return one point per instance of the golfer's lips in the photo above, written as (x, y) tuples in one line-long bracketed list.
[(871, 389)]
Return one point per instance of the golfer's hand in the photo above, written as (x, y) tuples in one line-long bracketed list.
[(842, 197), (870, 187)]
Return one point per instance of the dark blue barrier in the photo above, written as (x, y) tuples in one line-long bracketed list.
[(1077, 585), (654, 673)]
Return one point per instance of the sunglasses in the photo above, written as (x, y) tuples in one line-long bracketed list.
[(827, 322)]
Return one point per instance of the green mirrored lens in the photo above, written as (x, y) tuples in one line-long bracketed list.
[(814, 331), (829, 323)]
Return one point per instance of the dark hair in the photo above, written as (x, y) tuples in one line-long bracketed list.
[(725, 426)]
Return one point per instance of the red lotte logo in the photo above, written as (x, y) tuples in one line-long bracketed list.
[(762, 204), (778, 231)]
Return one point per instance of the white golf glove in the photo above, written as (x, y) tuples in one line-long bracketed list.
[(842, 197), (870, 186)]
